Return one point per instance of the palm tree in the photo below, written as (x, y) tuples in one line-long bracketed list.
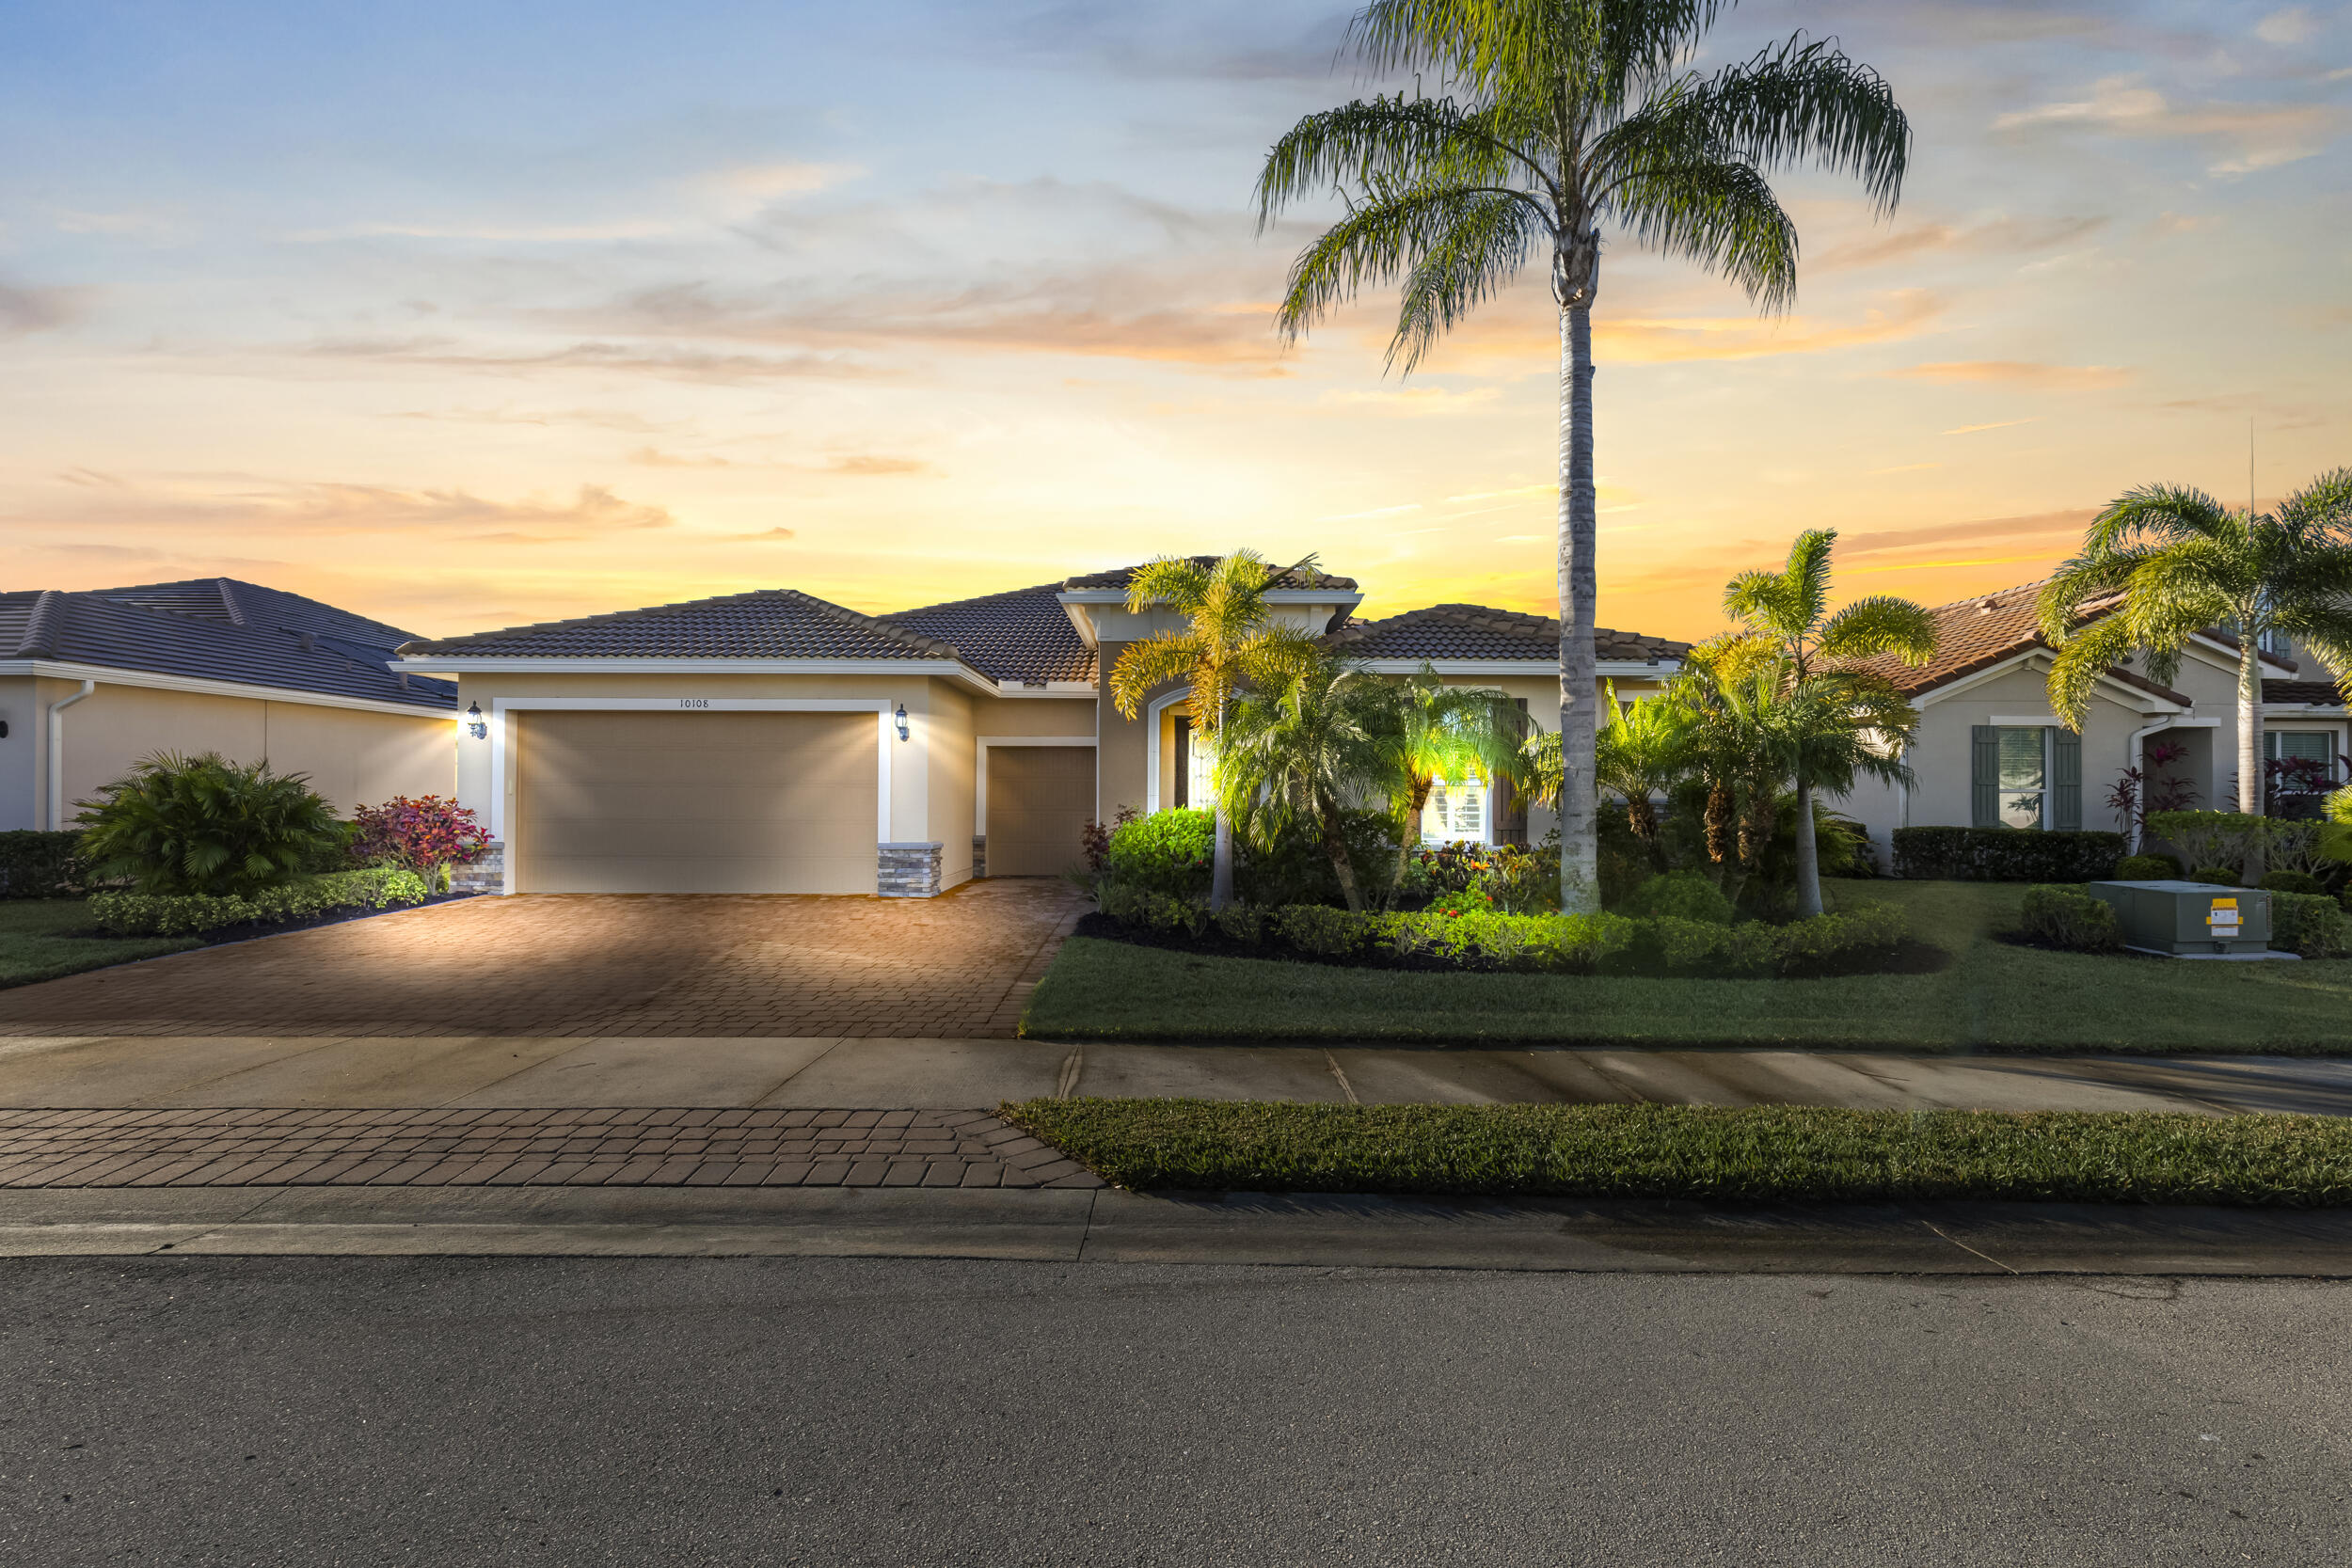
[(1790, 608), (1229, 640), (2164, 563), (1308, 746), (1644, 748), (1448, 731), (1567, 116)]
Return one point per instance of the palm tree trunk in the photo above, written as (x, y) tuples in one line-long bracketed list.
[(2250, 743), (1410, 831), (1808, 856), (1335, 845), (1580, 849), (1221, 863)]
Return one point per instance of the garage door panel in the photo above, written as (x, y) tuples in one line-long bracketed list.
[(696, 803), (1041, 799)]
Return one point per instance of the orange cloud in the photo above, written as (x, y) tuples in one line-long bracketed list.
[(2021, 373)]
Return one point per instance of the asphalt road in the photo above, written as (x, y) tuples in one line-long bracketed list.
[(829, 1411)]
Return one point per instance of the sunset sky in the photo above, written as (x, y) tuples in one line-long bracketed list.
[(466, 315)]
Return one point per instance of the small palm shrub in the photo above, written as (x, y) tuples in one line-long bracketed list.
[(1680, 895), (2147, 868), (205, 825)]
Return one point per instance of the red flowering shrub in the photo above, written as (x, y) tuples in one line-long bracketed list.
[(425, 836)]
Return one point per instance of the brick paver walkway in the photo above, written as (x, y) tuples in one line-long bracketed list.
[(529, 1148), (955, 967)]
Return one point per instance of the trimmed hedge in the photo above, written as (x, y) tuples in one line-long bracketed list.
[(139, 914), (1167, 852), (2308, 924), (1533, 943), (2219, 876), (2005, 855), (2292, 881), (2145, 868), (2070, 918), (41, 865)]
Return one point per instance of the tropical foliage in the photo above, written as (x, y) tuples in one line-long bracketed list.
[(2166, 564), (1229, 640), (1305, 750), (1557, 121), (427, 836), (205, 825), (1451, 733)]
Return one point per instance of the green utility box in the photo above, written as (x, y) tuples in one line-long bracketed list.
[(2189, 919)]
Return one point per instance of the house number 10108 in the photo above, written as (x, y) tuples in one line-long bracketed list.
[(694, 702)]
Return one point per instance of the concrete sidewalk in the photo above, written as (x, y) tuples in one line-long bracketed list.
[(1110, 1226), (510, 1073)]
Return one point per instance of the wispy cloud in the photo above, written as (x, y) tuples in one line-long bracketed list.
[(2264, 136), (1998, 424), (2020, 372), (669, 362)]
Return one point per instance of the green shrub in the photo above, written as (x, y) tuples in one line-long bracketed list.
[(167, 915), (2209, 837), (2220, 876), (1167, 852), (2145, 868), (1240, 921), (2308, 924), (1154, 911), (1322, 931), (2006, 854), (41, 865), (1680, 895), (1471, 901), (205, 825), (2292, 881), (1678, 945), (2070, 918), (1296, 868)]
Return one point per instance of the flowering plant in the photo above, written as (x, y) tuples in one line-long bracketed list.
[(426, 836)]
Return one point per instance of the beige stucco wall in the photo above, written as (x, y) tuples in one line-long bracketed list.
[(353, 756), (930, 789)]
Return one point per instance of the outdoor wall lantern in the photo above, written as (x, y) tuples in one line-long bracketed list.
[(476, 725), (903, 721)]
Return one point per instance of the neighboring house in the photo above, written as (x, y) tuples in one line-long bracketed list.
[(773, 743), (92, 682), (1989, 752)]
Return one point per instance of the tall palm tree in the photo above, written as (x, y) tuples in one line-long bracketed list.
[(1309, 746), (1564, 117), (1229, 640), (2165, 562), (1448, 731), (1790, 608)]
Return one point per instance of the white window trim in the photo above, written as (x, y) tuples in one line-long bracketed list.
[(979, 775), (2048, 760), (1485, 814), (1152, 712), (502, 781)]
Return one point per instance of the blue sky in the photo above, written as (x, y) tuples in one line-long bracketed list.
[(470, 314)]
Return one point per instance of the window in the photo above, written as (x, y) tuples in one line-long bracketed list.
[(2300, 745), (2025, 769), (1456, 811)]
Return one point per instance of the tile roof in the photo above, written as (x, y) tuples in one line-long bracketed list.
[(1975, 634), (217, 628), (1474, 632), (2303, 693), (1021, 635), (767, 623), (1284, 577)]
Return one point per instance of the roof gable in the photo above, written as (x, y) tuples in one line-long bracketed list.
[(1469, 631), (1020, 635), (1285, 578), (766, 622)]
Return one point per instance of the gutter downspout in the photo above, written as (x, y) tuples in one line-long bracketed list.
[(57, 754)]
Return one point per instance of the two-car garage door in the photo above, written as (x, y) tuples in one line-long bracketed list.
[(695, 802)]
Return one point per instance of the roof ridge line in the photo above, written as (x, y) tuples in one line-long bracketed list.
[(41, 626), (858, 617)]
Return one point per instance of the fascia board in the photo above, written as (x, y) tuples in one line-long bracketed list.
[(449, 665), (155, 680)]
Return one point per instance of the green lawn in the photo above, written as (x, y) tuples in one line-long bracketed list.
[(1756, 1154), (1993, 995), (43, 938)]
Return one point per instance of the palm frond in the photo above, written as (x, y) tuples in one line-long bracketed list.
[(2083, 662), (1177, 581), (1807, 104), (2157, 515), (1385, 142), (1719, 216), (1598, 51), (2322, 507), (1157, 660), (1390, 236), (1881, 624), (1483, 248)]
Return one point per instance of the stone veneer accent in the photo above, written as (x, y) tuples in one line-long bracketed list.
[(485, 875), (979, 856), (910, 870)]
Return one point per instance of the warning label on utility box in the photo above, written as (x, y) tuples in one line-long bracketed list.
[(2224, 912)]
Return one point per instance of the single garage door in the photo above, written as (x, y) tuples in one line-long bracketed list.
[(695, 802), (1039, 800)]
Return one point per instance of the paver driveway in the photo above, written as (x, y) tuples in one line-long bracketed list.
[(958, 966)]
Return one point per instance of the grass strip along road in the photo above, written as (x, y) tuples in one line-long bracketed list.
[(1754, 1154), (1991, 995)]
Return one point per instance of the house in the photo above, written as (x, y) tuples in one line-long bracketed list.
[(92, 682), (773, 742), (1989, 752)]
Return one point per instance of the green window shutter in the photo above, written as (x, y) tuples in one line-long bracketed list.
[(1184, 761), (2066, 780), (1984, 777)]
